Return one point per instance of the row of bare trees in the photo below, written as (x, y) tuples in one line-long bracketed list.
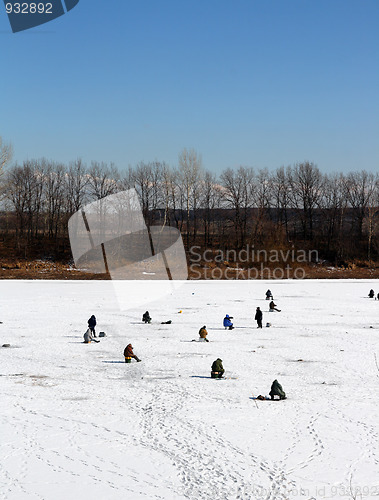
[(296, 205)]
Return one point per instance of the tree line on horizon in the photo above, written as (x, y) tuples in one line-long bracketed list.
[(290, 207)]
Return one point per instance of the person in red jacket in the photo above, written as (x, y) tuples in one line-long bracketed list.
[(129, 354)]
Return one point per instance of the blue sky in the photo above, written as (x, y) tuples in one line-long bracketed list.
[(244, 82)]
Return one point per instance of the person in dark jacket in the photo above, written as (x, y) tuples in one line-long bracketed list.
[(146, 317), (371, 293), (203, 333), (129, 354), (269, 295), (92, 324), (273, 307), (217, 369), (228, 323), (277, 390), (258, 317)]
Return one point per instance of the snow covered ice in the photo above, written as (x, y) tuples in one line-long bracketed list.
[(77, 422)]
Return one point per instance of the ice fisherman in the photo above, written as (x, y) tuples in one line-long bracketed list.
[(88, 338), (92, 324), (146, 317), (258, 317), (269, 295), (217, 369), (273, 307), (371, 293), (129, 354), (203, 333), (277, 390), (228, 323)]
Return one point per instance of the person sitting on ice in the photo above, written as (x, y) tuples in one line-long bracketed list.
[(92, 324), (228, 323), (272, 306), (88, 337), (203, 334), (129, 354), (269, 295), (371, 293), (146, 317), (217, 369), (277, 390)]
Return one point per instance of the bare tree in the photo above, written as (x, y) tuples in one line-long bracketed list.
[(260, 196), (54, 195), (102, 180), (210, 200), (5, 157), (190, 176), (25, 193), (76, 183), (280, 198), (167, 192), (333, 204), (238, 196), (142, 178), (360, 189), (6, 152), (372, 218), (306, 189)]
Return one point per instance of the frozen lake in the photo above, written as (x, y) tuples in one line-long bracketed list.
[(77, 422)]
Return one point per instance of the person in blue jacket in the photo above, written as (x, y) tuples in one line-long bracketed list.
[(228, 323)]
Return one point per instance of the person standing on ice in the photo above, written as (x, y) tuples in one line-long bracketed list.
[(371, 293), (129, 354), (228, 323), (203, 333), (277, 390), (92, 324), (217, 369), (258, 317), (272, 306)]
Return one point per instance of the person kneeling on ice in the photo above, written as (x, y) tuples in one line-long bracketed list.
[(277, 390), (269, 295), (371, 293), (92, 324), (129, 354), (203, 334), (228, 323), (217, 369), (273, 307), (146, 317)]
